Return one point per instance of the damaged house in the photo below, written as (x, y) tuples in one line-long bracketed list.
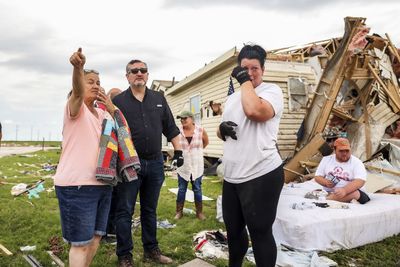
[(345, 86), (357, 97)]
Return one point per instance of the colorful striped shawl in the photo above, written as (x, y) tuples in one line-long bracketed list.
[(118, 160)]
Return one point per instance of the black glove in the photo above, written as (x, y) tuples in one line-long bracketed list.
[(226, 129), (178, 158), (240, 74)]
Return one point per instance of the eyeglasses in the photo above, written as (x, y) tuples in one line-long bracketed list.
[(136, 70), (87, 71)]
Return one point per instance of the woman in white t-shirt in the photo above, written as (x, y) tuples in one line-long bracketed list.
[(253, 171)]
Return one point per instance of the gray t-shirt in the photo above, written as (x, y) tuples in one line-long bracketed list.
[(254, 153)]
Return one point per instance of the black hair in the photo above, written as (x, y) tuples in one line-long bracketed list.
[(252, 52), (133, 61)]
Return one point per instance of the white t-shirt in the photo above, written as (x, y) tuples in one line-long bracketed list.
[(345, 172), (254, 153)]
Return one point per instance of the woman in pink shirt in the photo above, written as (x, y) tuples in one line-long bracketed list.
[(84, 202)]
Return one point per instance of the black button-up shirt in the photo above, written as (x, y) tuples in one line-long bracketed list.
[(147, 120)]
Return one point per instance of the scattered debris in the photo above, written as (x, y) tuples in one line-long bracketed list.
[(27, 248), (27, 188), (34, 193), (357, 96), (188, 211), (165, 224), (211, 244)]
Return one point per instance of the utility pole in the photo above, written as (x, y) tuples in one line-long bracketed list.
[(31, 132), (16, 132)]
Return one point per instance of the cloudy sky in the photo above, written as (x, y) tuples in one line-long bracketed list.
[(176, 38)]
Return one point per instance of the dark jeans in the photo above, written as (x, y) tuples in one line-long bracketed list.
[(151, 178), (182, 188), (111, 215), (254, 204)]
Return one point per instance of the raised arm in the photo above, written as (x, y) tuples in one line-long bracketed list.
[(254, 107), (75, 101)]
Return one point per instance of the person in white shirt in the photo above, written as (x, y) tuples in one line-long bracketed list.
[(253, 171), (342, 175)]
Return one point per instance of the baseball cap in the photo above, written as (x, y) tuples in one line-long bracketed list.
[(185, 114), (342, 143)]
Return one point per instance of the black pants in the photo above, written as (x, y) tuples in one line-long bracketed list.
[(252, 203)]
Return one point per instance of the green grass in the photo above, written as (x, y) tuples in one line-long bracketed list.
[(31, 143), (34, 222)]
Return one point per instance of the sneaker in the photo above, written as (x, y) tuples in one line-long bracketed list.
[(125, 261), (156, 256), (109, 239)]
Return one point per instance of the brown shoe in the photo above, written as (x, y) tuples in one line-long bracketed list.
[(125, 261), (179, 210), (156, 256), (199, 211)]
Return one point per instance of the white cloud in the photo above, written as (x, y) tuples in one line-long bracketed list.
[(175, 38)]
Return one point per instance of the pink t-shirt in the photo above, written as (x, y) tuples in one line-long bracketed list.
[(80, 148)]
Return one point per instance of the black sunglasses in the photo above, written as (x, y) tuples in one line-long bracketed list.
[(136, 70)]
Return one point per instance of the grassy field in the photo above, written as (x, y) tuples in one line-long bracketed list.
[(36, 222)]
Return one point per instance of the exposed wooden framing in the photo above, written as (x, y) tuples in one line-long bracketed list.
[(329, 85), (293, 167), (393, 96)]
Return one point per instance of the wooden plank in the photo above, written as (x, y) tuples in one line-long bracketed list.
[(342, 114), (309, 150), (56, 259), (5, 250), (382, 170)]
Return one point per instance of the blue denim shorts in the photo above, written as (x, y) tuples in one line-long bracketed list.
[(83, 211)]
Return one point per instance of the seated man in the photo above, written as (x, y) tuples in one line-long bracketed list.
[(342, 175)]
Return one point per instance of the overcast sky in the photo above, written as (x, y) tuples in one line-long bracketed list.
[(175, 38)]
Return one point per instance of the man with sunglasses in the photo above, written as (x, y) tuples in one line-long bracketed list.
[(148, 116)]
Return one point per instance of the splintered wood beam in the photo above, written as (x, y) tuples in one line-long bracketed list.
[(391, 45), (329, 85), (394, 98), (293, 168)]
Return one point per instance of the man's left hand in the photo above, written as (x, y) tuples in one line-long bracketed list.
[(340, 192), (178, 158)]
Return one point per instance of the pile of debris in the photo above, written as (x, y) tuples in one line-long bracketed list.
[(357, 96)]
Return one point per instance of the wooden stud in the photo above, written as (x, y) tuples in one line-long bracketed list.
[(5, 250)]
